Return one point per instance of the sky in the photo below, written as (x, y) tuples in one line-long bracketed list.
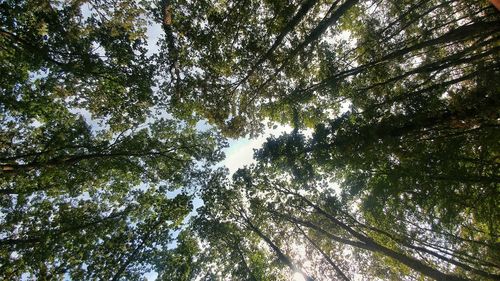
[(240, 151)]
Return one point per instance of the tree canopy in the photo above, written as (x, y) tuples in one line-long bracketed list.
[(110, 148)]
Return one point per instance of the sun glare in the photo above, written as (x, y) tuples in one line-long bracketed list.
[(298, 277)]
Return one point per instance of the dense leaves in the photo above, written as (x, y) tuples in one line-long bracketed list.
[(391, 170), (84, 55), (404, 183), (91, 186), (100, 199)]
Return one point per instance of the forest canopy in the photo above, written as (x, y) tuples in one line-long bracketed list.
[(111, 145)]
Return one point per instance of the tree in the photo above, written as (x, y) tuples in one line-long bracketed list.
[(87, 204), (303, 59), (229, 50), (416, 178), (88, 197), (390, 172), (88, 55), (273, 207), (232, 240)]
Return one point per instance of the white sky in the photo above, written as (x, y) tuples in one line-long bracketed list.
[(240, 151)]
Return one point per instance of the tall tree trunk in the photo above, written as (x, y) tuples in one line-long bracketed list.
[(281, 256), (376, 247), (311, 37), (458, 34), (325, 256), (296, 19)]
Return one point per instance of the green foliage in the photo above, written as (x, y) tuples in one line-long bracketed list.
[(86, 55), (391, 170), (404, 182), (82, 204)]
